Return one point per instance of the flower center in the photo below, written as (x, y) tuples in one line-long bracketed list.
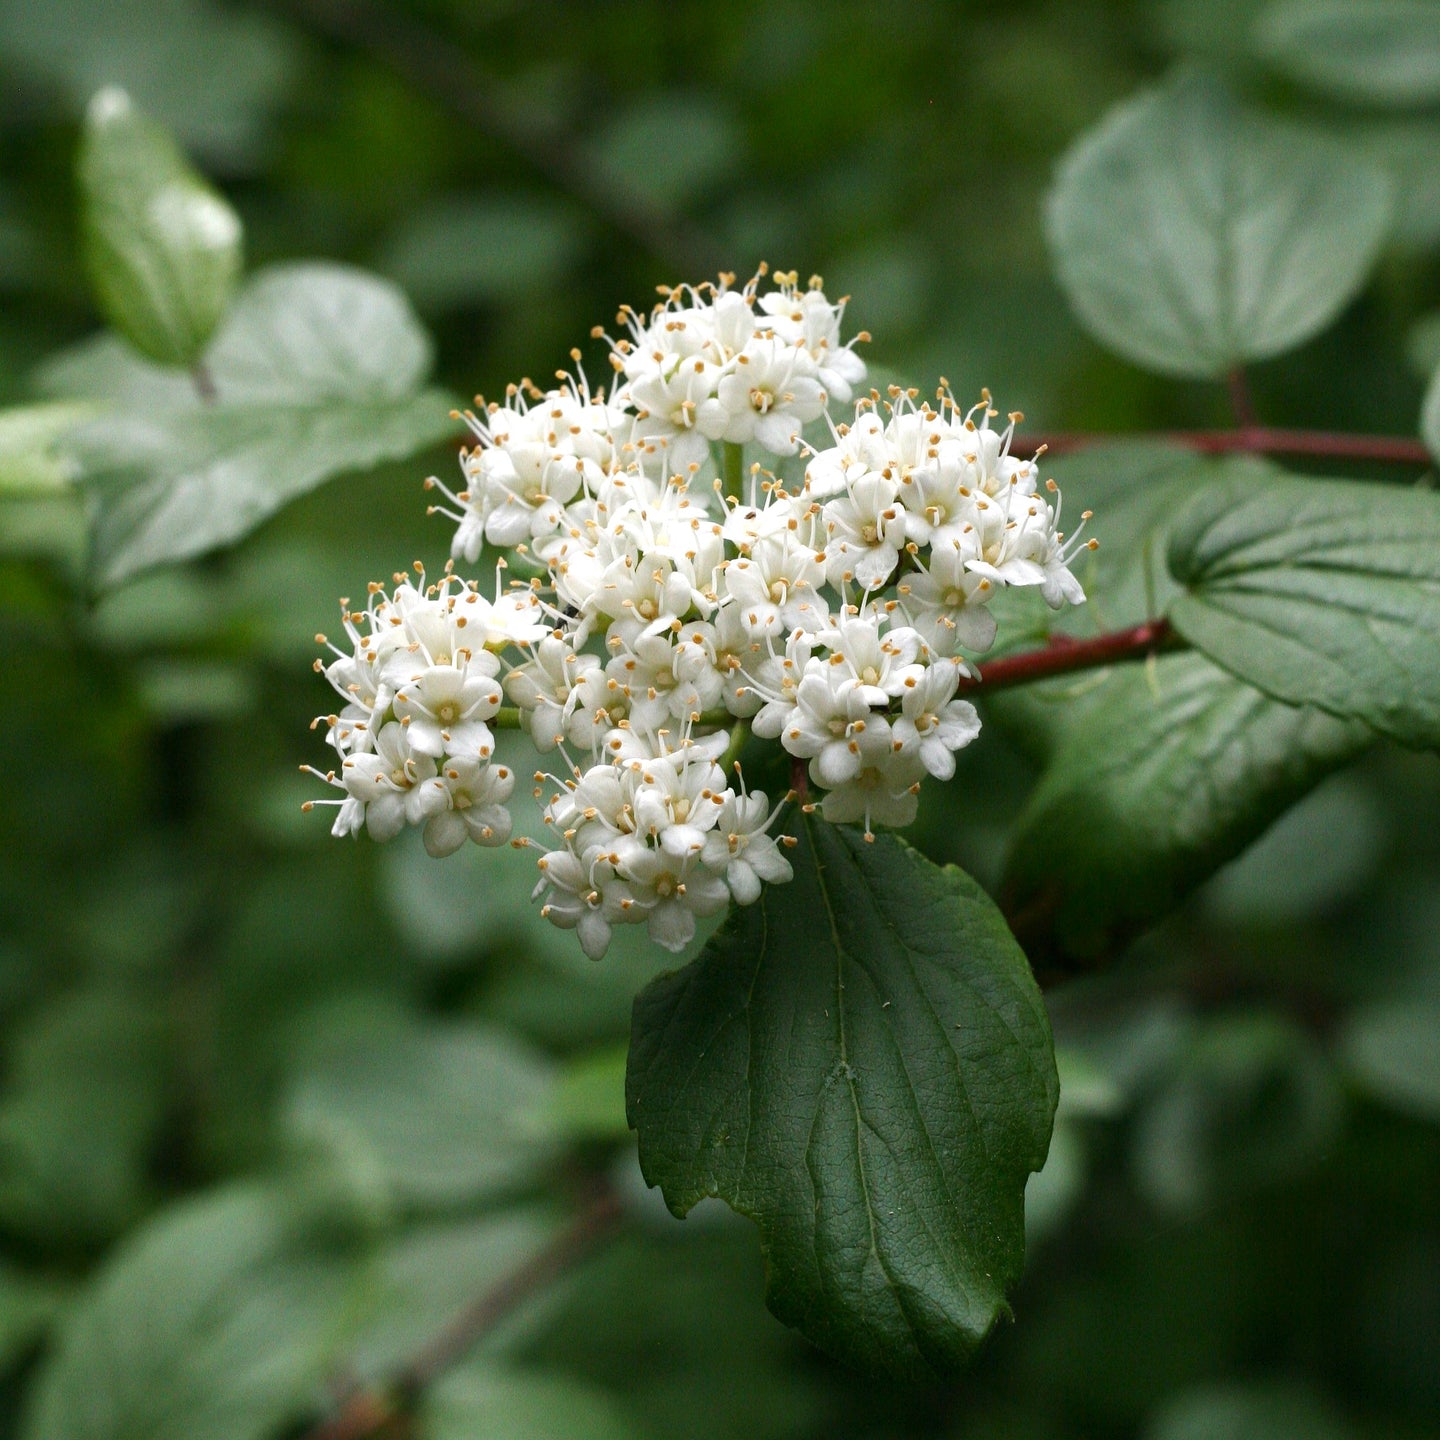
[(665, 884), (448, 713), (870, 533), (869, 676)]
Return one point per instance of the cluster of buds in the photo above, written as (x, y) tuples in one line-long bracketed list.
[(677, 602)]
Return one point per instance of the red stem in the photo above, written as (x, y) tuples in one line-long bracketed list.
[(1064, 655), (1251, 439)]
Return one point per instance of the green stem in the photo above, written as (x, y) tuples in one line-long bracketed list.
[(733, 470), (738, 736), (507, 717)]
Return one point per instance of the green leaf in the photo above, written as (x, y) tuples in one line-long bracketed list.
[(509, 1404), (682, 1308), (208, 72), (1252, 1412), (1167, 774), (1155, 775), (422, 1281), (162, 248), (1252, 1101), (84, 1103), (492, 249), (419, 1116), (1390, 1050), (861, 1063), (29, 461), (1368, 52), (317, 372), (211, 1323), (588, 1102), (1321, 592), (1190, 235), (28, 1306)]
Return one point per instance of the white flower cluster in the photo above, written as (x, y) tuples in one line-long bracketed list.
[(675, 607), (420, 687)]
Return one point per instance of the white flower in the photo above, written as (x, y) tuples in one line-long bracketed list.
[(932, 723), (477, 793), (444, 710), (833, 726), (946, 602), (665, 891), (770, 392), (882, 664), (739, 848), (547, 691), (396, 786), (884, 792), (573, 901), (866, 527)]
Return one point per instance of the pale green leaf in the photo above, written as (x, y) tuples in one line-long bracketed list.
[(1191, 235), (1369, 52), (316, 373), (29, 461), (162, 248), (860, 1062), (503, 1403), (211, 73), (1319, 592), (588, 1102), (211, 1323), (421, 1281), (414, 1116)]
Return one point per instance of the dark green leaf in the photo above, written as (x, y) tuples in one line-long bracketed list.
[(1155, 775), (1166, 774), (1369, 52), (317, 372), (84, 1103), (419, 1116), (212, 1323), (860, 1062), (683, 1312), (1392, 1049), (1253, 1101), (28, 1305), (1320, 592), (162, 248), (470, 250), (1191, 236), (1258, 1412)]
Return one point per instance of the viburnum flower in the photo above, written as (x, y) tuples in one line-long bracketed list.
[(679, 604)]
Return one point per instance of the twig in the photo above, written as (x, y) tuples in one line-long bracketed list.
[(369, 1411), (446, 71), (1063, 655), (1251, 439)]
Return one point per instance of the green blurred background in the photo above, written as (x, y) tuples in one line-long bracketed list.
[(1238, 1234)]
